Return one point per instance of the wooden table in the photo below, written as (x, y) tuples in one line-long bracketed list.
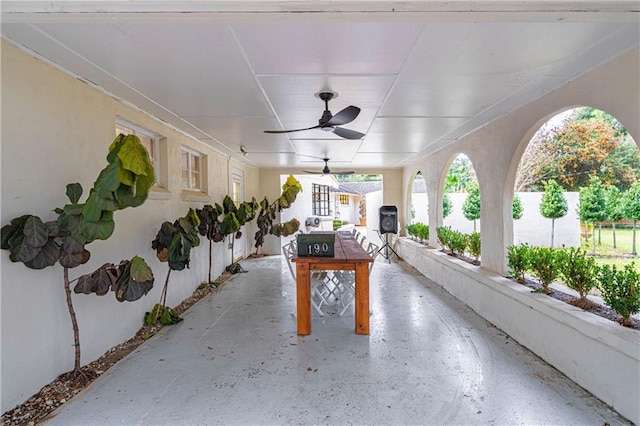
[(348, 255)]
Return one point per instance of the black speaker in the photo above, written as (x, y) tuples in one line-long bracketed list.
[(388, 220)]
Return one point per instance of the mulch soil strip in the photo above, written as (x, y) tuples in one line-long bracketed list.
[(589, 306)]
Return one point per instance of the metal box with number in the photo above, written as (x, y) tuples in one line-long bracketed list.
[(316, 245)]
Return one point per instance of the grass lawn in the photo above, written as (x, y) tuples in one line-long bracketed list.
[(619, 256)]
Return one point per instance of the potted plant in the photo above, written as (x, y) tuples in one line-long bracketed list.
[(363, 212)]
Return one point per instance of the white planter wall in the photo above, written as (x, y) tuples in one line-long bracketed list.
[(598, 354)]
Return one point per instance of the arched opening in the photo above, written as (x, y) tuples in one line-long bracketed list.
[(461, 196), (418, 209), (418, 201), (586, 153)]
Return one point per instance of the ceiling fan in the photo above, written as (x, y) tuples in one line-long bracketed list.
[(326, 171), (329, 122)]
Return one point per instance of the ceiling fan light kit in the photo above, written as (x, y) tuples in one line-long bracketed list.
[(329, 122)]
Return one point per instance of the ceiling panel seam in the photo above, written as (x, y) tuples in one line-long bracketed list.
[(249, 65)]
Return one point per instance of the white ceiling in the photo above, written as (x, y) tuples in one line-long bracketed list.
[(424, 73)]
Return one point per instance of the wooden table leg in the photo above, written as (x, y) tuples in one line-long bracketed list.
[(362, 298), (303, 297)]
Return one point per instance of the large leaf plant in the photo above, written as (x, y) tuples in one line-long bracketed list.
[(234, 219), (268, 212), (210, 228), (173, 244), (123, 183)]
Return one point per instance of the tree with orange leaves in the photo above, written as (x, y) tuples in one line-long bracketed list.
[(579, 148)]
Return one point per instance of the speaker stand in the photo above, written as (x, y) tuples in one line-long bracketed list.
[(387, 247)]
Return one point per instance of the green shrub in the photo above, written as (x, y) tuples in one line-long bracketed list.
[(578, 270), (444, 236), (458, 242), (474, 245), (518, 260), (621, 290), (544, 265), (411, 230), (418, 231), (422, 231), (337, 223)]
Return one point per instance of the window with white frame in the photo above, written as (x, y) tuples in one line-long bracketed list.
[(344, 199), (191, 165), (151, 141)]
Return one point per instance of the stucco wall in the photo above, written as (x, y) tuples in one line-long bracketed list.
[(57, 130), (349, 212), (496, 148)]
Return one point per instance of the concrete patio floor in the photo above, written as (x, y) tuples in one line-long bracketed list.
[(236, 359)]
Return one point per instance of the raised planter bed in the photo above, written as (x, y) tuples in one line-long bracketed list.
[(599, 355)]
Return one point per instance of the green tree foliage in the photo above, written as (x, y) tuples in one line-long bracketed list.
[(267, 215), (358, 178), (173, 244), (174, 241), (614, 207), (554, 204), (456, 241), (632, 209), (579, 272), (475, 245), (590, 113), (621, 290), (544, 265), (593, 203), (517, 209), (588, 144), (460, 174), (419, 231), (443, 233), (447, 206), (234, 218), (471, 205), (518, 260), (210, 228)]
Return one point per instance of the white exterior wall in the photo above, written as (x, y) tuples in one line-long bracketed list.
[(348, 212), (535, 229), (456, 219), (57, 130), (374, 202), (532, 227), (421, 207), (302, 207)]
